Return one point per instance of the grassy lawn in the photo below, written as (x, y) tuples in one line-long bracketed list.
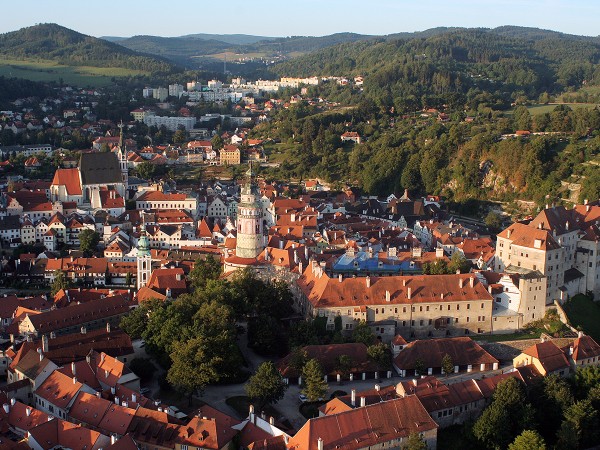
[(44, 70), (528, 334), (585, 313), (542, 109)]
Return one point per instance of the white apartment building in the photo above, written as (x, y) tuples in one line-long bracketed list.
[(172, 123)]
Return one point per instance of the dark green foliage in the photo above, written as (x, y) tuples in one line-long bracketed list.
[(88, 240), (266, 386), (65, 46), (143, 368), (60, 282), (415, 442), (381, 355), (205, 269), (315, 386), (363, 333)]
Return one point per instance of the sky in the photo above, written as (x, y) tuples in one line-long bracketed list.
[(300, 17)]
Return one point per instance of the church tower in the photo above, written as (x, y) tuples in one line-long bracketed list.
[(144, 260), (122, 155), (250, 239)]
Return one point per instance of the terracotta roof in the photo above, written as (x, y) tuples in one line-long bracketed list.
[(78, 314), (325, 292), (31, 365), (526, 236), (167, 279), (463, 351), (145, 294), (160, 196), (549, 355), (59, 389), (116, 419), (365, 427), (69, 178), (59, 433), (585, 347), (327, 354), (89, 409)]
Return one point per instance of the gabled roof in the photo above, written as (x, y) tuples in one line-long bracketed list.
[(69, 178), (100, 168), (59, 389), (59, 433), (585, 347), (365, 427), (89, 409), (463, 351), (549, 355), (526, 236)]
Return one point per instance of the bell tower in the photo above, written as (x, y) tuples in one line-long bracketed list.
[(144, 259), (122, 155), (250, 239)]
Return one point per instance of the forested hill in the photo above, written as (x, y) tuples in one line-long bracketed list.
[(65, 46), (457, 62)]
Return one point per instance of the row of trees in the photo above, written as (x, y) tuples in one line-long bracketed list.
[(553, 412)]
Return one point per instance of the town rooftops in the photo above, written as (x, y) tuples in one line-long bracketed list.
[(59, 389), (364, 427), (531, 237), (69, 178), (549, 355), (325, 292), (463, 351)]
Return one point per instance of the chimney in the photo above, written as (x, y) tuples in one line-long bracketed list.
[(251, 414), (178, 277), (409, 293), (377, 388), (368, 280), (168, 292), (353, 397), (442, 296), (472, 281), (571, 350), (102, 356), (415, 381), (125, 405), (271, 421), (13, 401), (490, 289), (296, 257), (340, 277), (83, 330), (388, 296), (108, 327), (460, 283), (39, 350), (74, 380), (113, 439), (73, 369), (306, 253), (363, 401), (113, 390), (28, 411), (44, 343), (280, 244), (319, 444), (6, 407), (508, 233), (580, 334), (117, 400), (98, 394), (439, 252), (133, 397), (404, 282)]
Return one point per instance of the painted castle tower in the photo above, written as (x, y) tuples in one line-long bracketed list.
[(144, 260), (250, 239)]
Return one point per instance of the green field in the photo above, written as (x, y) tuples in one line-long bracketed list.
[(44, 70), (585, 313), (542, 109)]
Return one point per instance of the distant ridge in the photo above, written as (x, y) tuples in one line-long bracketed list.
[(68, 47)]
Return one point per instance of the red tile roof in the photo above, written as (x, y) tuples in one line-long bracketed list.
[(365, 427), (68, 178), (549, 355)]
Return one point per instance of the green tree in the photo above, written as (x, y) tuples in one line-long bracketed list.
[(415, 442), (179, 136), (585, 379), (493, 221), (419, 367), (581, 423), (205, 269), (506, 417), (315, 386), (128, 279), (60, 282), (447, 364), (195, 364), (216, 142), (458, 263), (298, 359), (528, 440), (145, 170), (343, 366), (88, 240), (135, 323), (266, 386), (437, 267), (381, 355), (363, 333), (143, 368)]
